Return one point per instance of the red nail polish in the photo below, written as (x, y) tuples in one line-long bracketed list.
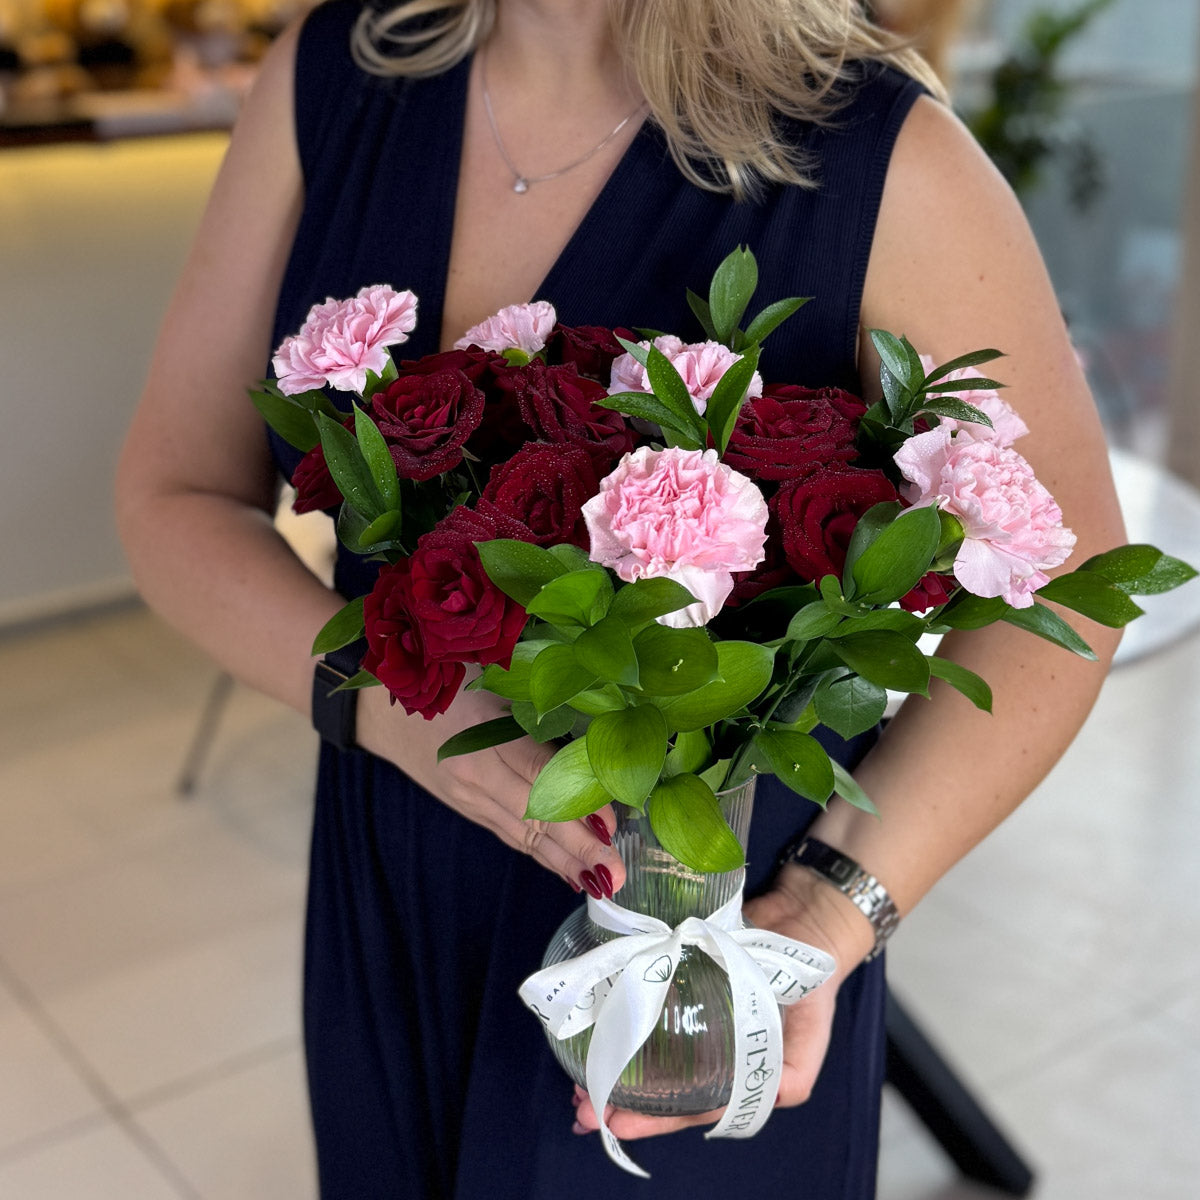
[(574, 886), (604, 878), (596, 824), (593, 887)]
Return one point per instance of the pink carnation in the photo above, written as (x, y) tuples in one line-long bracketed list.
[(700, 364), (1007, 426), (341, 340), (517, 327), (1013, 528), (682, 514)]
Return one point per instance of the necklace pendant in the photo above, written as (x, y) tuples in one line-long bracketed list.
[(520, 185)]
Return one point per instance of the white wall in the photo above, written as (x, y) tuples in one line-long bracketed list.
[(92, 238)]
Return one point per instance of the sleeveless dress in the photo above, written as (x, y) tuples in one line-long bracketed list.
[(428, 1078)]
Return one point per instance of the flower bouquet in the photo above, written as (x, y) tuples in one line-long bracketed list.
[(674, 571)]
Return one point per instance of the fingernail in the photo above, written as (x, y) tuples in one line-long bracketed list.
[(593, 887), (574, 886), (577, 1128), (596, 824), (604, 878)]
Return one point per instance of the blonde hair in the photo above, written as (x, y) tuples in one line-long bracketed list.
[(718, 75)]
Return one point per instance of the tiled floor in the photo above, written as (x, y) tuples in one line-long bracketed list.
[(150, 946)]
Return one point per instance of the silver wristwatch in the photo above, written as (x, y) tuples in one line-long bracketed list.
[(864, 890)]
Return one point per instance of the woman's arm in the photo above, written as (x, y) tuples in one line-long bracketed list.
[(196, 489), (955, 268)]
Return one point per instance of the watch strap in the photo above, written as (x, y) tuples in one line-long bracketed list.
[(868, 895), (335, 713)]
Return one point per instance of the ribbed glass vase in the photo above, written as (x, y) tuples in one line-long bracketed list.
[(686, 1065)]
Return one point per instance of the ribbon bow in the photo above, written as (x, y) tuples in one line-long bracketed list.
[(620, 987)]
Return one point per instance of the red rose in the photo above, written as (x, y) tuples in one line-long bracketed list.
[(788, 431), (545, 487), (930, 591), (315, 489), (476, 364), (817, 515), (425, 420), (558, 404), (396, 653), (463, 616), (591, 348)]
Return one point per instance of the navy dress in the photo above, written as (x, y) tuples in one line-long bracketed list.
[(428, 1077)]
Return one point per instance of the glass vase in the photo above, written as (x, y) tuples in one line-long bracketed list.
[(687, 1063)]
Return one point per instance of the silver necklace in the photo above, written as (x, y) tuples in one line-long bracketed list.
[(521, 181)]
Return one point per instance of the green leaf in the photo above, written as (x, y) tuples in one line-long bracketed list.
[(640, 602), (971, 685), (733, 284), (690, 753), (952, 387), (1140, 570), (800, 762), (480, 737), (555, 676), (967, 611), (518, 569), (291, 421), (1093, 596), (607, 650), (725, 403), (895, 619), (848, 789), (650, 408), (974, 359), (627, 750), (699, 306), (544, 727), (673, 662), (639, 352), (957, 410), (850, 705), (686, 818), (566, 788), (772, 316), (866, 529), (344, 627), (1046, 624), (599, 700), (812, 621), (512, 684), (745, 670), (353, 527), (886, 658), (573, 557), (576, 598), (380, 530), (349, 469), (669, 387), (898, 356), (378, 458), (357, 681), (898, 557)]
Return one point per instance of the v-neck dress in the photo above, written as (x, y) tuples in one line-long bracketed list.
[(428, 1078)]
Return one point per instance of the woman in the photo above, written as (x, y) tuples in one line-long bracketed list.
[(527, 159)]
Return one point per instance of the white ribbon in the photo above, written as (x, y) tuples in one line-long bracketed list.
[(621, 985)]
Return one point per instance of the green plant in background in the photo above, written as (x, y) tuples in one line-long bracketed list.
[(1024, 125)]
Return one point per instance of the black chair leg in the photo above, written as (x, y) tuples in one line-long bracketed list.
[(951, 1114), (205, 732)]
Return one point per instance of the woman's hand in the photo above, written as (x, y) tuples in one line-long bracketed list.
[(802, 907), (491, 787)]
